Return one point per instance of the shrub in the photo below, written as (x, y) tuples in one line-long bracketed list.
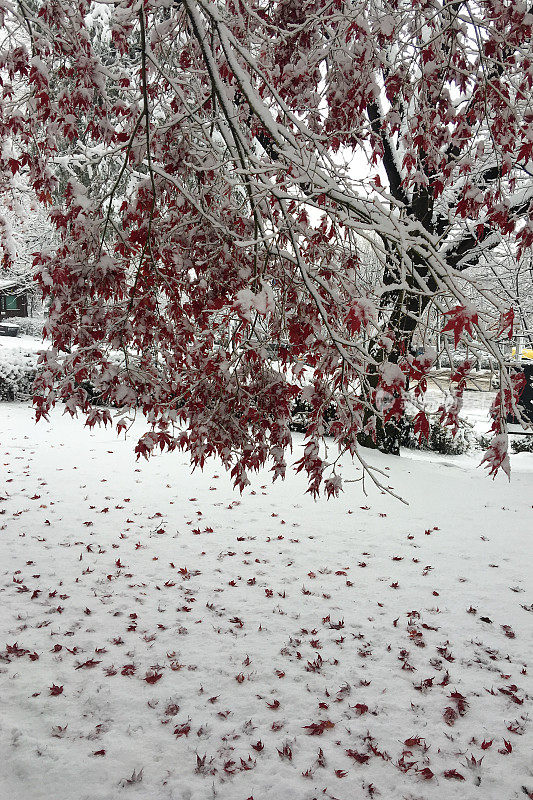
[(440, 440), (29, 326), (483, 441), (300, 415), (523, 444), (17, 373)]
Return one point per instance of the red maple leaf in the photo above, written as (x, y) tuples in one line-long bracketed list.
[(460, 319), (153, 677), (452, 773), (182, 730), (425, 773), (361, 758), (450, 715), (414, 741), (286, 752), (318, 728), (88, 664), (421, 426)]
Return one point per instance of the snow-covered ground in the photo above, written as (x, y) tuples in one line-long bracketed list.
[(23, 343), (163, 637)]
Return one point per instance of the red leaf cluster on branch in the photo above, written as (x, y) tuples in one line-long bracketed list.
[(223, 246)]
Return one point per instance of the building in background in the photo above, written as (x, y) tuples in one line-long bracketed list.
[(16, 299)]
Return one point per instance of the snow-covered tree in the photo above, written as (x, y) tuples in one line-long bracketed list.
[(311, 177), (24, 230)]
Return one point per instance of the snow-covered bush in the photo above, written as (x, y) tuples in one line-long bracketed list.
[(29, 326), (440, 439), (17, 373), (524, 444), (301, 415)]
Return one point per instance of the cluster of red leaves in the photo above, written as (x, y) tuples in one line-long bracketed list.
[(170, 295)]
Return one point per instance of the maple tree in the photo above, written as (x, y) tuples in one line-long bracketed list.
[(258, 201)]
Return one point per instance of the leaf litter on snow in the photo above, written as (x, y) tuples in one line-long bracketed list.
[(224, 651)]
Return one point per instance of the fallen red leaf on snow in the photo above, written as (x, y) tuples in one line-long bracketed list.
[(425, 773), (153, 677), (452, 773), (361, 758), (318, 728)]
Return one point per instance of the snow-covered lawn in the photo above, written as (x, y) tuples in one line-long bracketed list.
[(163, 637), (24, 343)]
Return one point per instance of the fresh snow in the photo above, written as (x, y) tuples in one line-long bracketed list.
[(25, 344), (294, 649)]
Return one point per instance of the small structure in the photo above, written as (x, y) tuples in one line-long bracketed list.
[(15, 298)]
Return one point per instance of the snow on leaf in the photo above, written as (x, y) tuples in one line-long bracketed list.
[(496, 456)]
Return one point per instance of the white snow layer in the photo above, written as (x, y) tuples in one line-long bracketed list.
[(163, 637)]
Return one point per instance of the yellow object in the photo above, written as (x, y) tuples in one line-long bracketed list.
[(527, 352)]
